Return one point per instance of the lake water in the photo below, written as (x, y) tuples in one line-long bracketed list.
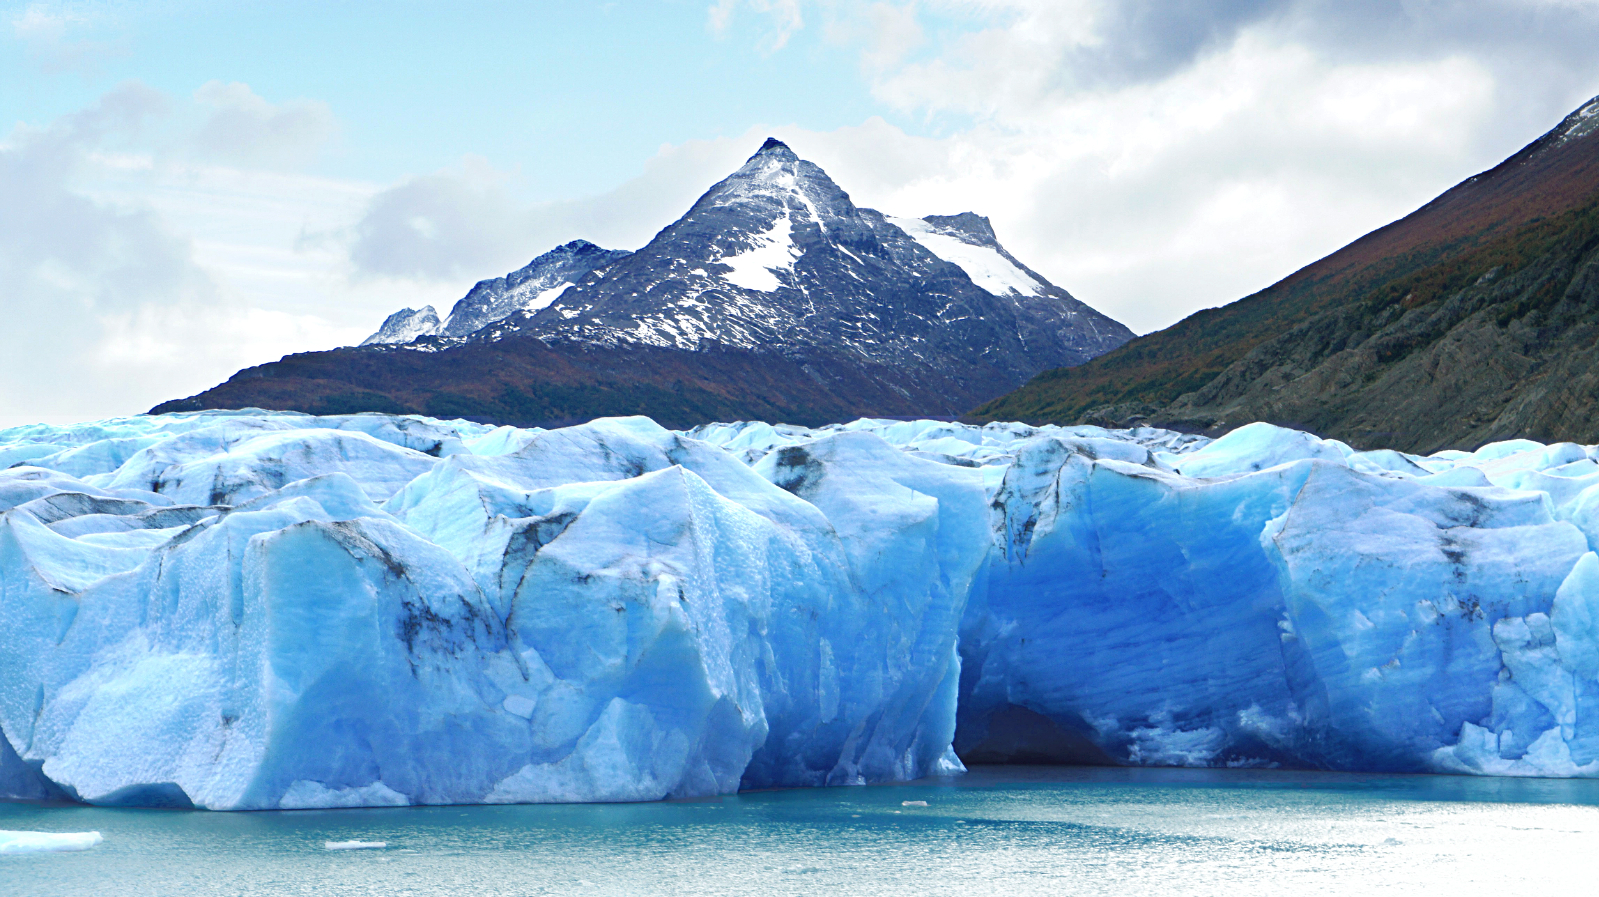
[(1000, 830)]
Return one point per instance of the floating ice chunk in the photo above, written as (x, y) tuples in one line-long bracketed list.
[(355, 845), (47, 842)]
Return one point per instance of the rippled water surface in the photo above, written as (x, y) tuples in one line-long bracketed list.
[(1003, 831)]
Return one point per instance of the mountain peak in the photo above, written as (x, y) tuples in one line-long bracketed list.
[(404, 326), (775, 147), (772, 283), (971, 225), (775, 178)]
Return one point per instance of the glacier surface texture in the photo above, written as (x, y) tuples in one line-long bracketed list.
[(257, 610)]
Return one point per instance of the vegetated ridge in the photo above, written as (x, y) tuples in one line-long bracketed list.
[(1473, 319), (775, 297)]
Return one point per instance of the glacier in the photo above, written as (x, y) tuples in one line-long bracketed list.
[(268, 610)]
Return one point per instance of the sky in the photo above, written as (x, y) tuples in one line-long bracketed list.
[(188, 188)]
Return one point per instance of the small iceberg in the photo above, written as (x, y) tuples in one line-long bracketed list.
[(47, 842), (355, 845), (913, 803)]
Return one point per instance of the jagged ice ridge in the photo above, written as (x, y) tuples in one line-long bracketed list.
[(250, 610)]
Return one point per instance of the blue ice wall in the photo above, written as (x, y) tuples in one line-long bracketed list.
[(240, 610)]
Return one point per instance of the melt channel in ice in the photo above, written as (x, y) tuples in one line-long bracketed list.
[(246, 610)]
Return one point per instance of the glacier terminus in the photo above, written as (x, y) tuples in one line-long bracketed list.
[(260, 610)]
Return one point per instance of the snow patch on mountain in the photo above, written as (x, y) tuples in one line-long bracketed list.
[(1579, 124), (772, 251), (545, 297), (983, 264)]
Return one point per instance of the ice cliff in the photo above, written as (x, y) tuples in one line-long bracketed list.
[(241, 610)]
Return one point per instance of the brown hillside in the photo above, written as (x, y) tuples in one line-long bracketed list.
[(524, 381), (1448, 327)]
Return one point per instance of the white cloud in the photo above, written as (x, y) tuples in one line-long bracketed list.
[(895, 32), (243, 128), (52, 34), (133, 270), (112, 303), (1158, 158), (445, 226), (39, 20), (56, 240), (169, 341), (783, 17), (457, 226)]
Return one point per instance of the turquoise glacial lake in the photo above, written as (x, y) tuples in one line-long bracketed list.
[(998, 831)]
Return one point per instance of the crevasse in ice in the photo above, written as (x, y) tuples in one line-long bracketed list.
[(240, 610)]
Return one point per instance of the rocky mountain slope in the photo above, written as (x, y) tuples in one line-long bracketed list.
[(404, 326), (774, 296), (528, 289), (777, 257), (1475, 318)]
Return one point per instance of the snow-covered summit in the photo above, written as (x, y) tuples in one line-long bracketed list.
[(776, 171), (405, 326), (529, 288), (774, 147), (776, 257)]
